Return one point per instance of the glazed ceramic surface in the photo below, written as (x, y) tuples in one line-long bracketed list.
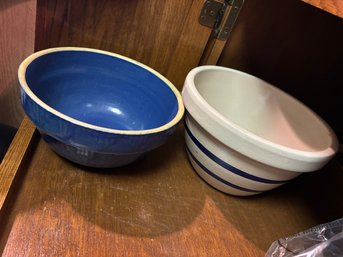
[(245, 134), (98, 108), (226, 169)]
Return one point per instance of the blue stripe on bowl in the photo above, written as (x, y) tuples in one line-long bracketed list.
[(228, 166), (217, 177)]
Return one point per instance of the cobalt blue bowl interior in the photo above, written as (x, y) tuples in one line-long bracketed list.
[(90, 104)]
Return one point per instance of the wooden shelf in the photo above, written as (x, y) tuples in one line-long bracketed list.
[(334, 7), (155, 207)]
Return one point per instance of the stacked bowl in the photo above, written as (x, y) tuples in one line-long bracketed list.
[(245, 136)]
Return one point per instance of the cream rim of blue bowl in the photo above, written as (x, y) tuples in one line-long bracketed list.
[(21, 76)]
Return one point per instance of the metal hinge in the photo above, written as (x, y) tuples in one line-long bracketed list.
[(220, 16)]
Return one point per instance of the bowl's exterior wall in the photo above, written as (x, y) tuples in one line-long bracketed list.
[(90, 158), (92, 141), (227, 170)]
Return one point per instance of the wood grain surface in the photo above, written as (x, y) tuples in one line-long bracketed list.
[(332, 6), (15, 156), (164, 35), (157, 206), (17, 35), (296, 47)]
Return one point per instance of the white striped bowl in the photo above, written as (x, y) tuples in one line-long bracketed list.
[(245, 136)]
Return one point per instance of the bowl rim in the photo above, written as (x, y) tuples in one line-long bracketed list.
[(23, 83), (245, 135)]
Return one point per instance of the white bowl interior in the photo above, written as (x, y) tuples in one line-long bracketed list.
[(262, 110)]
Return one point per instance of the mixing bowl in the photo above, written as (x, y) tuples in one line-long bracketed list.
[(98, 108), (245, 136)]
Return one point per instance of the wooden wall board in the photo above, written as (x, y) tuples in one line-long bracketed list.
[(334, 7), (17, 35), (158, 206), (164, 35), (296, 47), (14, 157)]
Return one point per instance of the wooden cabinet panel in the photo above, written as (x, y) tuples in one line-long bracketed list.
[(158, 206), (165, 35), (17, 25), (296, 47), (332, 6)]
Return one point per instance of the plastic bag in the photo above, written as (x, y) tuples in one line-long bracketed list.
[(325, 240)]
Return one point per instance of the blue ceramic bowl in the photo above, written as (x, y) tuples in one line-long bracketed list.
[(97, 108)]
